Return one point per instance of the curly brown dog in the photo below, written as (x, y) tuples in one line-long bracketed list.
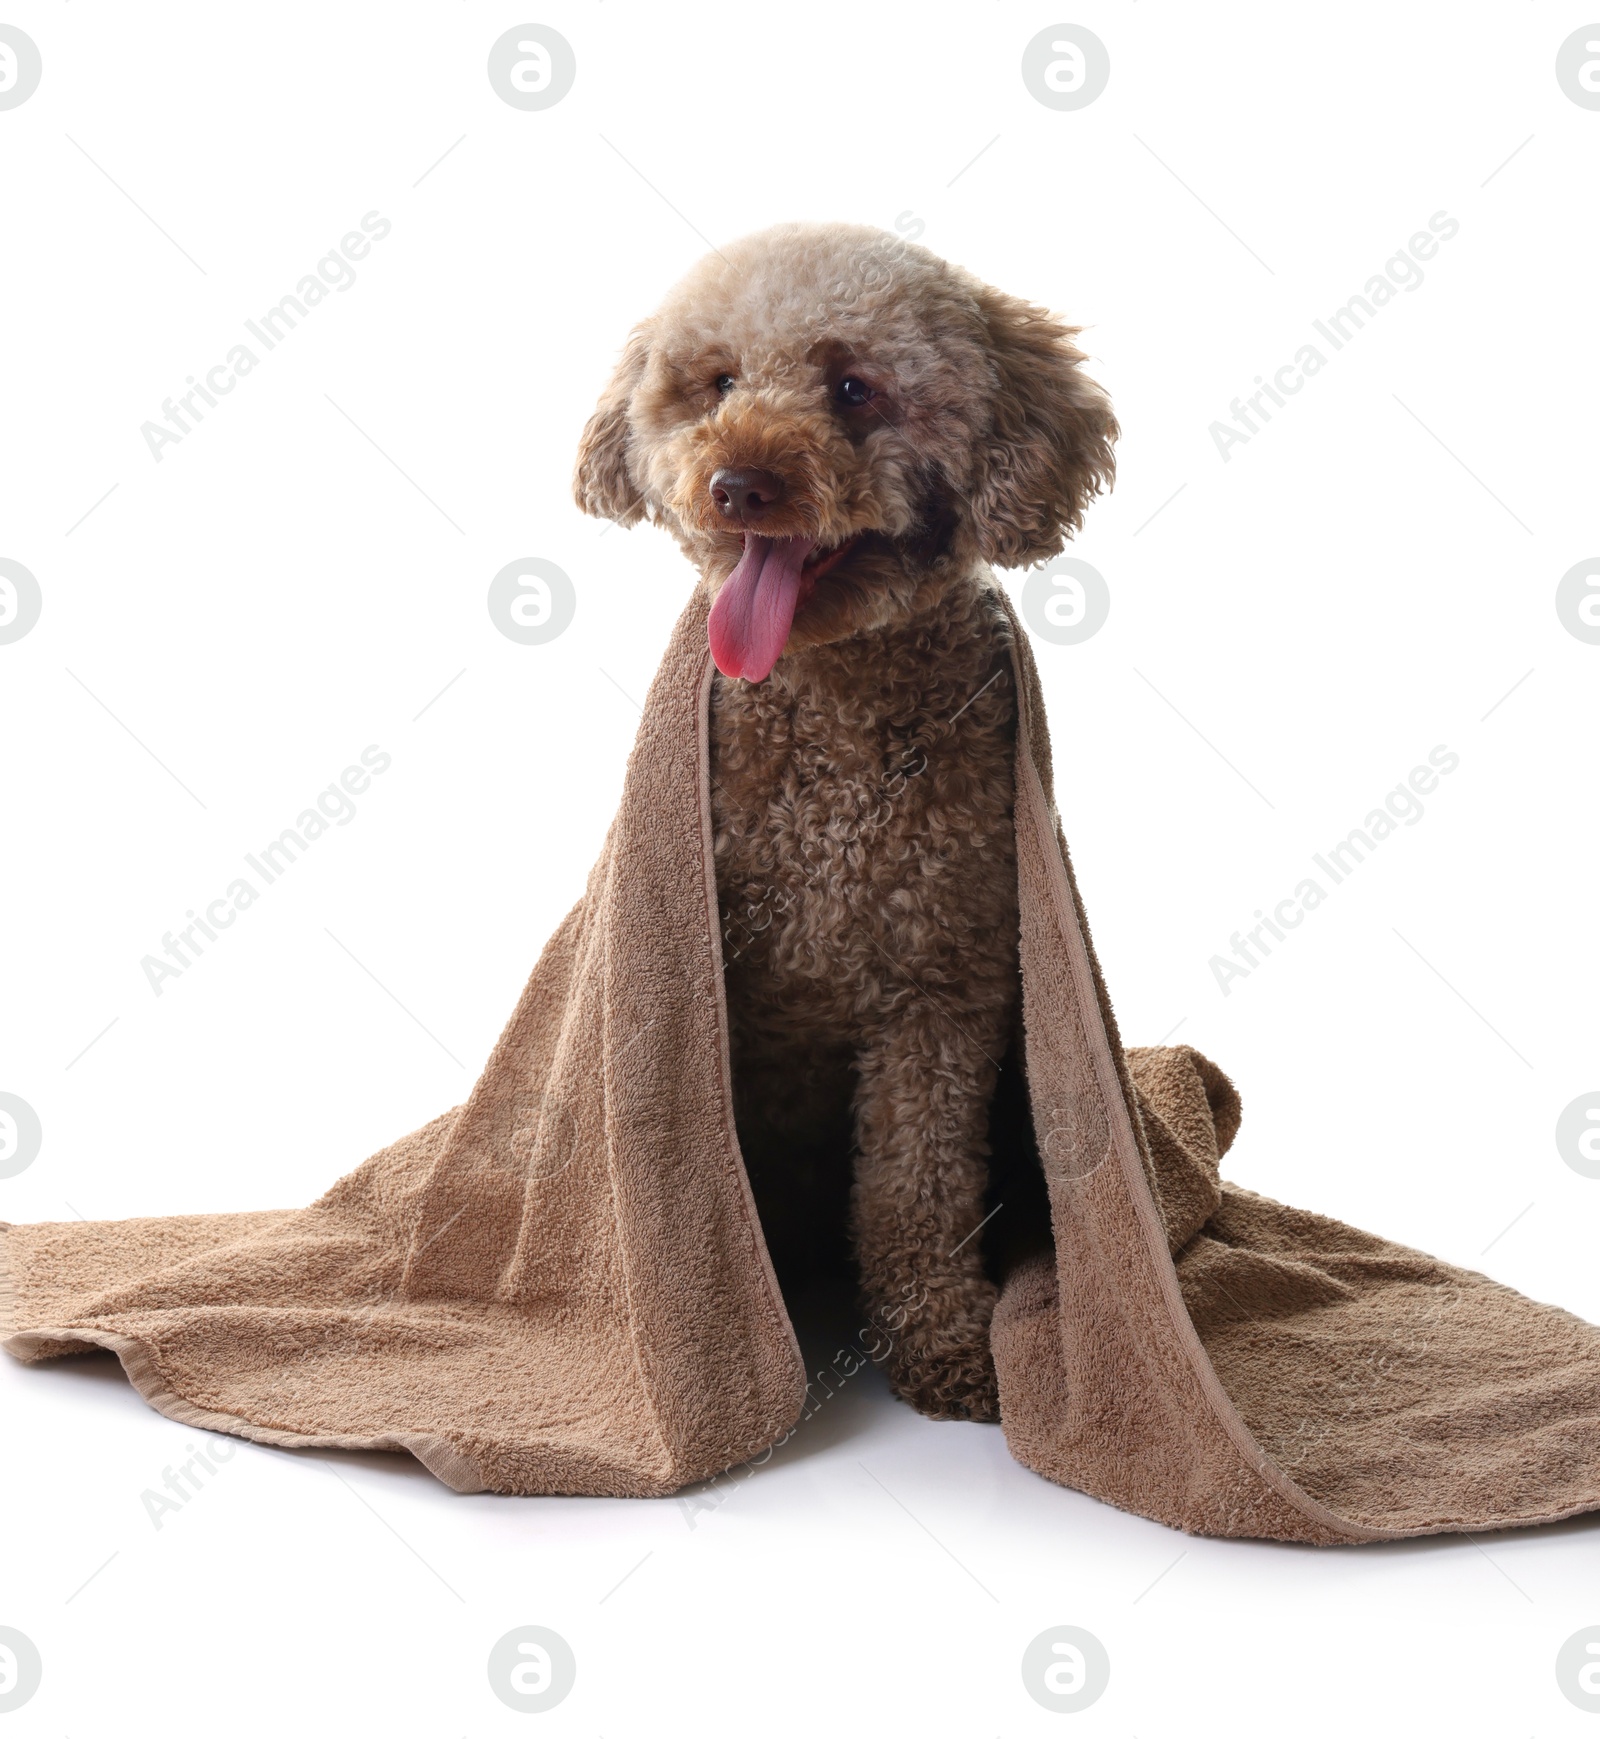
[(842, 431)]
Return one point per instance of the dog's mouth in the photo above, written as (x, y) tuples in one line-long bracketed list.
[(755, 610)]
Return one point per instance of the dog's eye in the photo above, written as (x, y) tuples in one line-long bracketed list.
[(853, 392), (724, 383)]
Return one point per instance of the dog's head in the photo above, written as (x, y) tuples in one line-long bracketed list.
[(831, 421)]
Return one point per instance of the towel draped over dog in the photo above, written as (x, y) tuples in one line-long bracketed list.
[(561, 1286)]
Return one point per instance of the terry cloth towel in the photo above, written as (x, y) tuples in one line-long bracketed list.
[(561, 1285)]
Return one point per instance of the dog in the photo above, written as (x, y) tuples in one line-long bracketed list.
[(843, 432)]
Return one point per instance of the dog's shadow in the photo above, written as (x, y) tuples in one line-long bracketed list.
[(845, 1386)]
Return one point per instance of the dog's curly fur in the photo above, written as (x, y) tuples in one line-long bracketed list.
[(862, 793)]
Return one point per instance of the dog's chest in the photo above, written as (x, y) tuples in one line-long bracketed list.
[(863, 822)]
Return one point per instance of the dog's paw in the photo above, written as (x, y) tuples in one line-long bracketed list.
[(949, 1382)]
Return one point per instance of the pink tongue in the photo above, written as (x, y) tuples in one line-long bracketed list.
[(750, 621)]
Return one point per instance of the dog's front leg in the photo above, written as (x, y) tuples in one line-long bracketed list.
[(925, 1081)]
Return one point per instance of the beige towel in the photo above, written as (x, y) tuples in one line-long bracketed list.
[(561, 1285)]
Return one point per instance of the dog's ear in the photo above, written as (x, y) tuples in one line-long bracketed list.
[(601, 483), (1048, 448)]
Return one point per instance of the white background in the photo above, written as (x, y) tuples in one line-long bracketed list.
[(1325, 607)]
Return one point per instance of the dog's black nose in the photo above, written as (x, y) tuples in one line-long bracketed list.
[(745, 495)]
